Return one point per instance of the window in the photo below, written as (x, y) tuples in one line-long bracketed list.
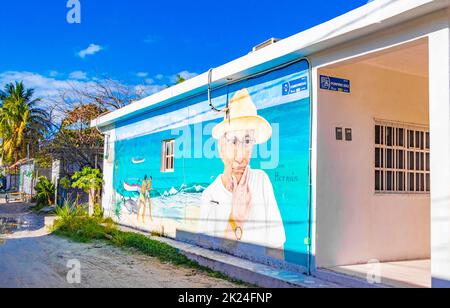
[(168, 156), (402, 158)]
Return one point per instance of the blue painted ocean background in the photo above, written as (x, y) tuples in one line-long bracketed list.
[(289, 178)]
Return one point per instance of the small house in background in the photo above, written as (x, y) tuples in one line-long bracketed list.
[(64, 169), (29, 173), (9, 182)]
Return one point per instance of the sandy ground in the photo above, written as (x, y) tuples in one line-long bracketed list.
[(32, 258)]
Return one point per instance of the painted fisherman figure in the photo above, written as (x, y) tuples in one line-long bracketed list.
[(240, 204)]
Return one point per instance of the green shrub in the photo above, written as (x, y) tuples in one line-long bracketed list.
[(45, 192), (73, 221)]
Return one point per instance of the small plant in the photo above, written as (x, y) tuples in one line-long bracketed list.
[(90, 180), (45, 192), (98, 211), (73, 221), (65, 183)]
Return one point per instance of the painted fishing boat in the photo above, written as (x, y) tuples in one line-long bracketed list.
[(138, 160), (131, 187)]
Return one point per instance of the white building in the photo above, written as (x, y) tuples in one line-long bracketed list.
[(380, 157)]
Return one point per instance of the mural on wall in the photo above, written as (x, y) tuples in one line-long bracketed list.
[(240, 176), (242, 198)]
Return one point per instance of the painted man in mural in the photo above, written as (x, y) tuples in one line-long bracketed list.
[(144, 198), (240, 204)]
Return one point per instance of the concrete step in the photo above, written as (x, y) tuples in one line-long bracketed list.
[(247, 271), (346, 280), (237, 268)]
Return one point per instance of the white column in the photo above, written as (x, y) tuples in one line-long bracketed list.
[(314, 135), (108, 201), (439, 47)]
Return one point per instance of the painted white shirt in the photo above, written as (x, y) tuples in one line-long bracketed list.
[(264, 226)]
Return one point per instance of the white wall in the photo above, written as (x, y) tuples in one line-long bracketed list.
[(440, 155), (353, 224), (411, 31)]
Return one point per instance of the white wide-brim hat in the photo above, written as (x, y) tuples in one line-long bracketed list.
[(242, 115)]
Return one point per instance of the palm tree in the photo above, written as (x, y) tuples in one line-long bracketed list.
[(22, 122)]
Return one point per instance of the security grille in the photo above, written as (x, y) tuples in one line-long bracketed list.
[(402, 158)]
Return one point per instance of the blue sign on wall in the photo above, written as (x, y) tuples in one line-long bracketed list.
[(334, 84), (295, 86)]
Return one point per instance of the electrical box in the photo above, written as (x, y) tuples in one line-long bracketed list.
[(348, 134), (339, 134)]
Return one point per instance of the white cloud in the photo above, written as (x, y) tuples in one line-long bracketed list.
[(148, 90), (45, 87), (50, 87), (187, 75), (78, 75), (91, 50), (53, 73), (142, 74), (151, 39), (184, 74)]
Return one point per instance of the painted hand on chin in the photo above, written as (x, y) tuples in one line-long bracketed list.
[(242, 199)]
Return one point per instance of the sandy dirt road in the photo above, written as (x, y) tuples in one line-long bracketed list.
[(29, 257)]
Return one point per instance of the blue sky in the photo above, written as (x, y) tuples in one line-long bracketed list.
[(143, 41)]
